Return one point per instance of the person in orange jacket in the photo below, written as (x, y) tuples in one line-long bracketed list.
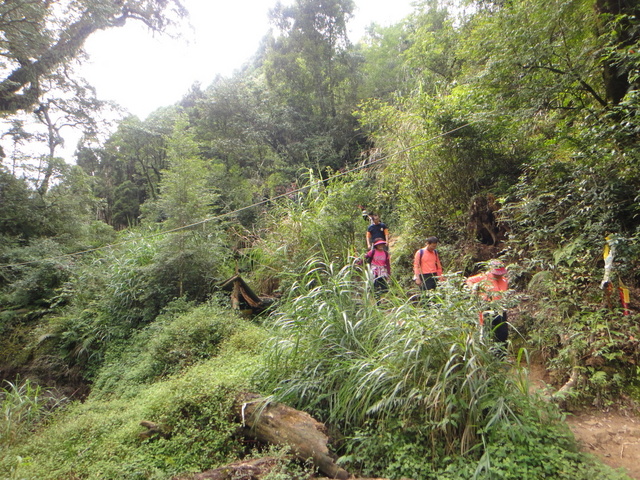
[(426, 265), (490, 285)]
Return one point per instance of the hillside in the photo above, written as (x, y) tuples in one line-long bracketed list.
[(509, 131)]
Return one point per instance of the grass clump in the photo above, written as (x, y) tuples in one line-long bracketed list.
[(177, 340), (22, 405)]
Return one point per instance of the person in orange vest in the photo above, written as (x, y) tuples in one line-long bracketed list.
[(490, 285), (426, 265)]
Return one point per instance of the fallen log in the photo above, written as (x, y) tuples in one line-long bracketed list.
[(278, 424), (253, 469), (245, 470)]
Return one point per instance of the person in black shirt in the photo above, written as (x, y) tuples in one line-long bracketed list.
[(376, 231)]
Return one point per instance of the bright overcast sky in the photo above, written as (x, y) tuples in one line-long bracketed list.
[(141, 73)]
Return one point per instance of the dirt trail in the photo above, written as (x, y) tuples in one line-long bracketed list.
[(613, 437)]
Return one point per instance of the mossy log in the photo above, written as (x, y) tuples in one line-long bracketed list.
[(278, 424)]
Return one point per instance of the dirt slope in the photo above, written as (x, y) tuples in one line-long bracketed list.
[(612, 436)]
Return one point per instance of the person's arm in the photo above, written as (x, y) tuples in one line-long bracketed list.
[(416, 268), (386, 235), (368, 256), (368, 239), (473, 283)]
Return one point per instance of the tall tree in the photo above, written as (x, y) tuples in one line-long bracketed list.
[(310, 68)]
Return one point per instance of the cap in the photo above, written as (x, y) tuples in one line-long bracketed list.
[(497, 267), (379, 242)]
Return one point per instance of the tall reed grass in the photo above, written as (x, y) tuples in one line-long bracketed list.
[(22, 405), (340, 354)]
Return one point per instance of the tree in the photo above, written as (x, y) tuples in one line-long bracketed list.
[(619, 24), (130, 164), (383, 70), (312, 74), (186, 199), (40, 37)]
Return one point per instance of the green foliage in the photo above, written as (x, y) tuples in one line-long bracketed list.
[(185, 197), (534, 56), (18, 212), (383, 69), (178, 338), (22, 405), (109, 298), (36, 275), (102, 438), (351, 361), (320, 217), (511, 98), (410, 383), (431, 178)]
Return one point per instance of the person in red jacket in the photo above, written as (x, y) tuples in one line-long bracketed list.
[(426, 265), (380, 262)]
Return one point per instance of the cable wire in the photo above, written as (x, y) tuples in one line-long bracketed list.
[(234, 212)]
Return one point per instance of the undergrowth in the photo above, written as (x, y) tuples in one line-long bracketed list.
[(415, 387), (190, 402)]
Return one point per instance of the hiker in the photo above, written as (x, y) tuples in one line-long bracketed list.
[(426, 265), (377, 230), (380, 262), (490, 285)]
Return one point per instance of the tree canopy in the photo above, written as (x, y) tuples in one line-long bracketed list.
[(40, 38)]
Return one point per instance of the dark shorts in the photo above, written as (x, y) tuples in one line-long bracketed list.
[(429, 281), (500, 327)]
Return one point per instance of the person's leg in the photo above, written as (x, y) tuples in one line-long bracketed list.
[(380, 285), (501, 332)]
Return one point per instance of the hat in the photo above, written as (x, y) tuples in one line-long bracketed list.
[(379, 242), (497, 267)]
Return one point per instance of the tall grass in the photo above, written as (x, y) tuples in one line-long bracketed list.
[(413, 386), (22, 404), (338, 353)]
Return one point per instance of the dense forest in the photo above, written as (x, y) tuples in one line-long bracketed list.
[(508, 129)]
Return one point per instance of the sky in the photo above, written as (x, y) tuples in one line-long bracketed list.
[(142, 73)]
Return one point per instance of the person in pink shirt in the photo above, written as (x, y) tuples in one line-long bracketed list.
[(490, 286), (426, 265), (380, 262)]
